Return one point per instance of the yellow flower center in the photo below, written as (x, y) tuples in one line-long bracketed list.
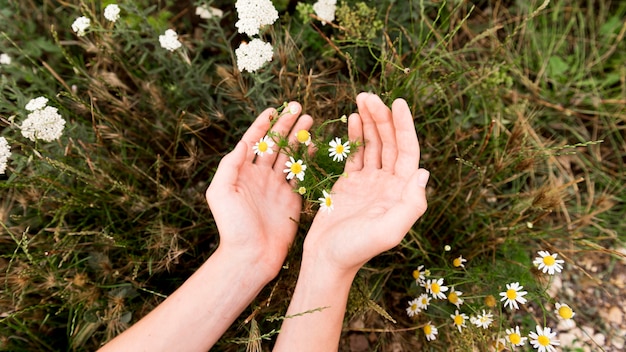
[(565, 312), (413, 306), (511, 293), (296, 168), (424, 301), (262, 147), (303, 136), (515, 338), (428, 329), (435, 287), (328, 201), (453, 297), (339, 149), (458, 320), (456, 262), (543, 340), (416, 274), (549, 260)]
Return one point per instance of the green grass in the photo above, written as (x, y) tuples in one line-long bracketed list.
[(519, 107)]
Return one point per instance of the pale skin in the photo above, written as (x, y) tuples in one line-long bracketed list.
[(374, 207), (257, 211)]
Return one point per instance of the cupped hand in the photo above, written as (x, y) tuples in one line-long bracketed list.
[(382, 194), (255, 208)]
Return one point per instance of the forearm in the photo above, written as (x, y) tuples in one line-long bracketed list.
[(315, 315), (195, 316)]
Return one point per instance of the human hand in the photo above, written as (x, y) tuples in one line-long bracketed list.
[(382, 195), (255, 208)]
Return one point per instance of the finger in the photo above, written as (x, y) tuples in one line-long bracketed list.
[(228, 170), (304, 123), (256, 131), (386, 131), (281, 129), (408, 145), (355, 134), (372, 144)]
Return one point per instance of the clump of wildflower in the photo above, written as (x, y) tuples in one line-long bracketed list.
[(253, 14), (337, 150), (513, 295), (514, 337), (252, 56), (548, 263), (326, 202), (45, 124), (430, 331), (36, 104), (169, 40), (483, 320), (263, 146), (112, 12), (458, 262), (436, 288), (325, 9), (5, 59), (5, 154), (423, 301), (304, 137), (80, 25), (420, 274), (544, 339), (294, 169), (413, 308), (454, 297), (458, 320), (208, 12)]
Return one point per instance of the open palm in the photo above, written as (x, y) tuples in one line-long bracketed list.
[(383, 193)]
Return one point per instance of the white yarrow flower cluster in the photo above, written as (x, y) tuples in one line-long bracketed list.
[(252, 56), (44, 122), (169, 40), (253, 14), (208, 12), (5, 59), (325, 9), (80, 25), (112, 12), (5, 154)]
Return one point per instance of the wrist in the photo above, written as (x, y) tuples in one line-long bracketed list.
[(250, 265)]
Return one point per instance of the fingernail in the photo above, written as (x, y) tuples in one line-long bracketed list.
[(293, 108), (422, 178)]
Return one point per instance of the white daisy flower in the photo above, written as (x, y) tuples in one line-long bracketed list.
[(304, 137), (45, 124), (544, 340), (294, 169), (548, 263), (483, 320), (436, 288), (513, 295), (326, 202), (454, 297), (112, 12), (5, 154), (337, 150), (565, 313), (423, 301), (36, 104), (169, 40), (325, 9), (458, 262), (413, 308), (80, 25), (458, 320), (253, 55), (263, 146), (420, 275), (430, 331), (5, 59), (514, 337), (302, 190)]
